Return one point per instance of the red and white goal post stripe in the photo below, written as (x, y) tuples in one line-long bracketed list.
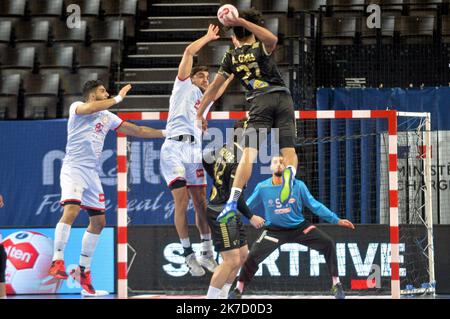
[(389, 115)]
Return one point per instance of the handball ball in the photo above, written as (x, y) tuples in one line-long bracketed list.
[(225, 11)]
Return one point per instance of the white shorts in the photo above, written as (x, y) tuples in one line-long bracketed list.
[(83, 185), (182, 161)]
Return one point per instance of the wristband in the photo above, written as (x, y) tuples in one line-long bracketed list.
[(118, 99)]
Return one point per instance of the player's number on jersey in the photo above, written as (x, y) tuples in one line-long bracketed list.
[(248, 70)]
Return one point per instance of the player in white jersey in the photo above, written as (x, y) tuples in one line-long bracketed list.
[(2, 262), (181, 154), (87, 127)]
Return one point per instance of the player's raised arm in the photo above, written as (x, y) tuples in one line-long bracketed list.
[(185, 67), (92, 105), (315, 206), (131, 129), (268, 38)]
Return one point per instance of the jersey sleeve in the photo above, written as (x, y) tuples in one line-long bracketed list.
[(225, 66), (181, 84), (315, 206), (263, 49), (115, 121), (73, 107), (255, 199)]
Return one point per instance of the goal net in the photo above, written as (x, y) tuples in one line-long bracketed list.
[(371, 167)]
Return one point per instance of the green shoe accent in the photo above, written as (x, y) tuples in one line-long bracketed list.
[(286, 189), (224, 219)]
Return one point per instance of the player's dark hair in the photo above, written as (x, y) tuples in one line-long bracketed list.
[(199, 68), (251, 15), (90, 86)]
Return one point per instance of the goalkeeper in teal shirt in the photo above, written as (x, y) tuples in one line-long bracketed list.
[(286, 224)]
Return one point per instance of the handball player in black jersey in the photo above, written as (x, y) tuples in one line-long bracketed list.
[(252, 63), (229, 239)]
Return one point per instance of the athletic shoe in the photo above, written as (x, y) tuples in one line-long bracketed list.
[(208, 262), (84, 278), (288, 184), (338, 291), (235, 294), (58, 270), (227, 213), (194, 267)]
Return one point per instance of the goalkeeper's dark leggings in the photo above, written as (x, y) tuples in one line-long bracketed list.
[(2, 264), (272, 237)]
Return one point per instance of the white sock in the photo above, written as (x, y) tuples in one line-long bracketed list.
[(206, 247), (88, 245), (185, 242), (235, 194), (62, 232), (294, 171), (336, 280), (225, 291), (205, 237), (213, 293)]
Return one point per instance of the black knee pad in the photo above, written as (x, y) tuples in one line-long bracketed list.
[(94, 212), (179, 183), (2, 263)]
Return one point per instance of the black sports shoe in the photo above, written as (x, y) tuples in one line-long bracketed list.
[(235, 294), (338, 291)]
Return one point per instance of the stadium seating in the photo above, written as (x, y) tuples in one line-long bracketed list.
[(9, 95), (125, 10), (415, 29), (346, 7), (57, 60), (338, 31), (306, 5), (41, 96), (389, 7), (18, 61), (109, 33), (12, 10)]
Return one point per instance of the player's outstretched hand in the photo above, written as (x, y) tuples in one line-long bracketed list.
[(1, 201), (257, 221), (213, 32), (346, 223), (231, 20), (123, 92)]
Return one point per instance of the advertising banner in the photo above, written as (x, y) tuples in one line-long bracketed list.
[(363, 262), (30, 251)]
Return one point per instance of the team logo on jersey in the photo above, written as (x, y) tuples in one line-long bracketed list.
[(99, 127), (200, 172), (197, 104), (101, 198), (105, 120)]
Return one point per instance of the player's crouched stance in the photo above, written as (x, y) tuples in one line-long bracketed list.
[(287, 225), (88, 124)]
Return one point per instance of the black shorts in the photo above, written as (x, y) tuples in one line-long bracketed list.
[(225, 236), (271, 110)]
